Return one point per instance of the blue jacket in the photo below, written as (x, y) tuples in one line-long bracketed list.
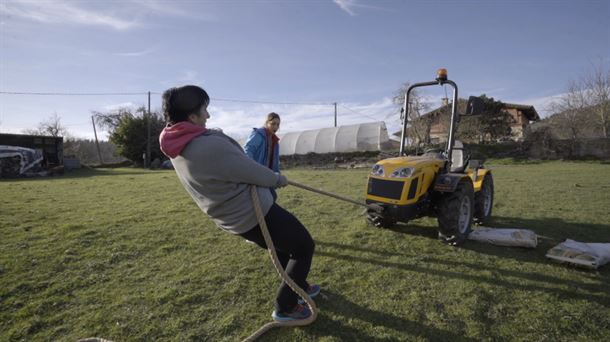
[(256, 148)]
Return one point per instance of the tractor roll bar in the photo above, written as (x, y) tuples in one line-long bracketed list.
[(454, 116)]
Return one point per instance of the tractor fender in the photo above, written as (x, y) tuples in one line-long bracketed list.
[(481, 174), (448, 182)]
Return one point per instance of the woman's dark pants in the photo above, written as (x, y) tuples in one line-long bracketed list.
[(294, 247)]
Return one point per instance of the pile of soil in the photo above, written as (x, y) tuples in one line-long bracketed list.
[(349, 160)]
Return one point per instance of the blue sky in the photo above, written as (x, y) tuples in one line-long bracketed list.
[(356, 53)]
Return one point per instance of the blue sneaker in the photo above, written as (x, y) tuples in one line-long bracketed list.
[(312, 291), (299, 312)]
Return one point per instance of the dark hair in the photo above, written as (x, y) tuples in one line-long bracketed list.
[(180, 102), (271, 116)]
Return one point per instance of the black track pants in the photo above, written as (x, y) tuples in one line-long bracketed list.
[(294, 247)]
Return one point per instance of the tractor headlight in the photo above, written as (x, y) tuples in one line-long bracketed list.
[(378, 170), (403, 172)]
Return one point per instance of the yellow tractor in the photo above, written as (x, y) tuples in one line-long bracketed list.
[(443, 184)]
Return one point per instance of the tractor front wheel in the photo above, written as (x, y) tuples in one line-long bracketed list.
[(378, 220), (455, 213)]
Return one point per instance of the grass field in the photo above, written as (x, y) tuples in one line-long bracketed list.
[(126, 255)]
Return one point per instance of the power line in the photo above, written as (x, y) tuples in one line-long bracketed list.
[(392, 114), (66, 93), (156, 93), (272, 102), (364, 115), (263, 102)]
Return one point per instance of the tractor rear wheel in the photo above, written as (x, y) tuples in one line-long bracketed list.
[(484, 200), (455, 212)]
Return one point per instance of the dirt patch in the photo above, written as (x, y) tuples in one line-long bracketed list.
[(351, 160)]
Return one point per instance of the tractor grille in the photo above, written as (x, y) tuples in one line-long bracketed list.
[(385, 188), (413, 188)]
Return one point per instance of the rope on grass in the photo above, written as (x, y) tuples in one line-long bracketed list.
[(271, 248)]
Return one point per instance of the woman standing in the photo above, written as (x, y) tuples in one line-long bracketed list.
[(217, 174), (263, 145)]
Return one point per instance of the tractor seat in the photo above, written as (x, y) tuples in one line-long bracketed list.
[(459, 159)]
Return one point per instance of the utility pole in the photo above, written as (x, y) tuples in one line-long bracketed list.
[(335, 114), (147, 162), (97, 144)]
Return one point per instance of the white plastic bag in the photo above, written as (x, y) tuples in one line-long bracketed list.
[(505, 237), (591, 255)]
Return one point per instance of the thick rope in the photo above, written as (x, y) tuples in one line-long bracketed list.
[(374, 207), (310, 303)]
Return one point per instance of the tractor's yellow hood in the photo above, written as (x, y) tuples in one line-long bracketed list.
[(417, 162)]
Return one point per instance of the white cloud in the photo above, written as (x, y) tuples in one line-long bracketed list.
[(57, 12), (115, 106), (347, 6), (170, 8), (127, 15)]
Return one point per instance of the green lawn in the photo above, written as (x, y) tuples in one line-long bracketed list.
[(125, 254)]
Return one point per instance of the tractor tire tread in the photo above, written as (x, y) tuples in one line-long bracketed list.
[(479, 202), (448, 206)]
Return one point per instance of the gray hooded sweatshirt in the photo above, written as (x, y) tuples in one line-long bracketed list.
[(216, 172)]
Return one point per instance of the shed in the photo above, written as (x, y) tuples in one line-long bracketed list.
[(52, 147)]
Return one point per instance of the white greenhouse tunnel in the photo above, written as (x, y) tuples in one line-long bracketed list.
[(371, 136)]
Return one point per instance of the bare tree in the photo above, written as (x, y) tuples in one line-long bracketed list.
[(569, 109), (50, 127), (585, 98), (597, 84), (419, 125), (112, 119)]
